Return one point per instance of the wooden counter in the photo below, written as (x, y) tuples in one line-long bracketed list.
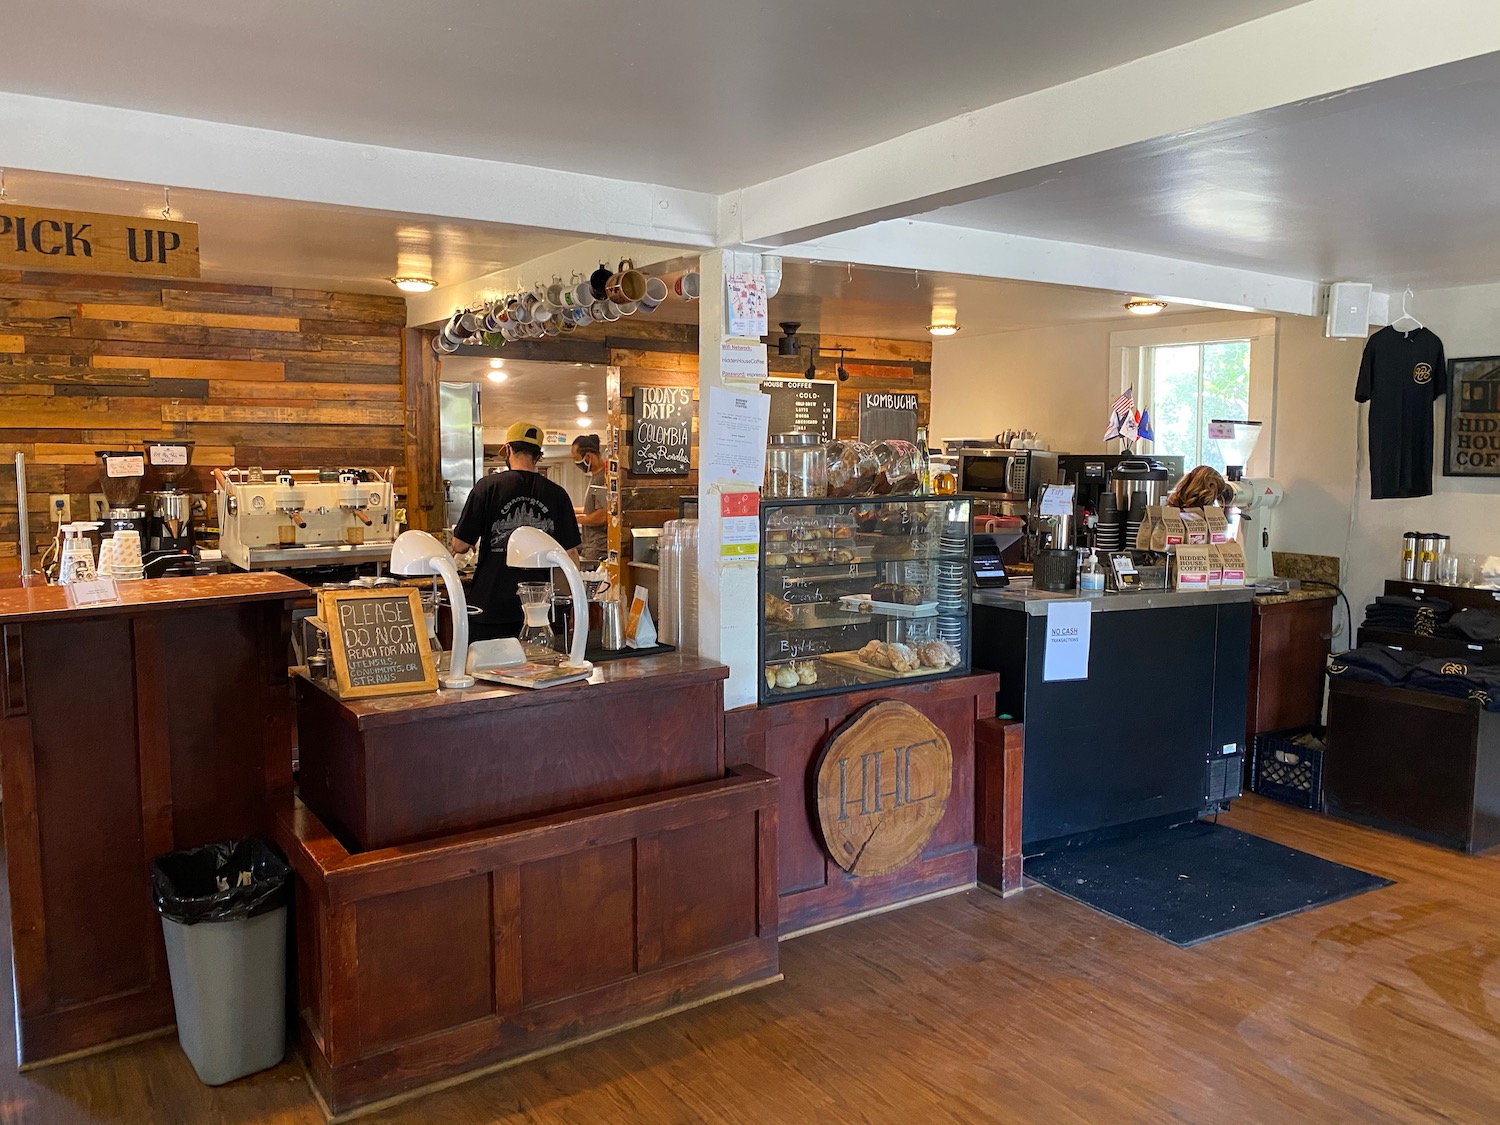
[(517, 870), (128, 730), (397, 769), (787, 739)]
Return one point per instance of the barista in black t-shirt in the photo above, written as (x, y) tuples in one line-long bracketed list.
[(1401, 375), (498, 504)]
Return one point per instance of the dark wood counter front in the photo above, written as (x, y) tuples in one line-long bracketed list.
[(395, 770), (128, 730), (787, 739)]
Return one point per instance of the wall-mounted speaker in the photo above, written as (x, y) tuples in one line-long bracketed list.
[(1348, 310)]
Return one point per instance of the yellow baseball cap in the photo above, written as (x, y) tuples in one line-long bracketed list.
[(524, 431)]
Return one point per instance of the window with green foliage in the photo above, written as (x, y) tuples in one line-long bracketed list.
[(1191, 384)]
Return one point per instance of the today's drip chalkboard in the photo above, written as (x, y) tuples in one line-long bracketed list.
[(378, 642), (662, 440)]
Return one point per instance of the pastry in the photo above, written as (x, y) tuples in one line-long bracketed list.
[(842, 531), (938, 654), (786, 677), (894, 657), (779, 610), (843, 555), (806, 558), (770, 676), (807, 673), (894, 593), (778, 535), (775, 558)]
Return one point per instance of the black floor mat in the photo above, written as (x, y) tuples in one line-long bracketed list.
[(1198, 881)]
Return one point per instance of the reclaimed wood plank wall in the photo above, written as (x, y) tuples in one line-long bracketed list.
[(282, 378)]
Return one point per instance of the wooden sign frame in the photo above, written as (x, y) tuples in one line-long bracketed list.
[(328, 602), (1471, 436)]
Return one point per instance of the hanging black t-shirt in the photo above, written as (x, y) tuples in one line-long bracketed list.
[(1401, 375), (498, 504)]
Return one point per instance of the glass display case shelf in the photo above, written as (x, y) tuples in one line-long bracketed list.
[(908, 559)]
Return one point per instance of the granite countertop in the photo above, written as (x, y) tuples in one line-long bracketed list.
[(1305, 594)]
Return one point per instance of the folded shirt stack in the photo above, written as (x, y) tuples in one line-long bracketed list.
[(1443, 675), (1477, 626), (1408, 615)]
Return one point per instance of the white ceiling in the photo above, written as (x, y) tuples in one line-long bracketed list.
[(544, 394), (697, 94), (256, 241), (1393, 184)]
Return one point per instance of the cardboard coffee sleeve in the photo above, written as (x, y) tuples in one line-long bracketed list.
[(1195, 528), (1218, 524), (1192, 564), (1173, 530), (1232, 556)]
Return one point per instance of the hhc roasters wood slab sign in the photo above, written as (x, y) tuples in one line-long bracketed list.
[(378, 642), (43, 238), (883, 785)]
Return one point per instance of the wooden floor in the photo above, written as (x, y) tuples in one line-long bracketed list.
[(1382, 1008)]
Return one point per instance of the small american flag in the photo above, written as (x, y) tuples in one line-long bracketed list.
[(1124, 406)]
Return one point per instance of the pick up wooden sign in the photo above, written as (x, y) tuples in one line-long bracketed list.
[(883, 786), (42, 238)]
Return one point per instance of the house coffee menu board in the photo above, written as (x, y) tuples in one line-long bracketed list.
[(802, 406), (378, 642), (661, 442)]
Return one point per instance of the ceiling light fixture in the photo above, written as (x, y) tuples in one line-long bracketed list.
[(414, 284), (942, 329), (583, 421), (1142, 306), (497, 376), (842, 374)]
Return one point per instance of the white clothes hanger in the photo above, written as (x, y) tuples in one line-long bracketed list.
[(1406, 314)]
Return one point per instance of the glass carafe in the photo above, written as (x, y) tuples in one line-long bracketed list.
[(536, 609)]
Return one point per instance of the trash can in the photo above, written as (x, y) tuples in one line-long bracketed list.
[(223, 915)]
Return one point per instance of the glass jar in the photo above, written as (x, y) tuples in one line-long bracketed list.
[(852, 468), (900, 468), (796, 466)]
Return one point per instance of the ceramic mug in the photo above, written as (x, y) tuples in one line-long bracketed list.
[(608, 311), (656, 293), (599, 282), (551, 327), (628, 285), (554, 293), (629, 308), (687, 285)]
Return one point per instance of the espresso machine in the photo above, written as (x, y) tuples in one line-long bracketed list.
[(304, 517), (170, 529), (120, 476)]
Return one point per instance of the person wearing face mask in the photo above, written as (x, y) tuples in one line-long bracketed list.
[(593, 517)]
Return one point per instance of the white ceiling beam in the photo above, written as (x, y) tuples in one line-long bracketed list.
[(70, 138), (909, 244), (1301, 55), (427, 309)]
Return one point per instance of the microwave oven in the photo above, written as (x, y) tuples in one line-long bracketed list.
[(1013, 475)]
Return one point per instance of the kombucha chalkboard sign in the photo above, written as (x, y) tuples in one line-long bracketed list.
[(378, 642), (662, 440)]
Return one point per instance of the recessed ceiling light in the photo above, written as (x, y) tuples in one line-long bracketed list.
[(413, 284), (497, 376), (497, 364), (1141, 306), (942, 329), (582, 421)]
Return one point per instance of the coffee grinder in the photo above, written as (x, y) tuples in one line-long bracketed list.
[(120, 475), (171, 523)]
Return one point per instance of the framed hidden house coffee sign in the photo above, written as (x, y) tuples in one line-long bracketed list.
[(1471, 447)]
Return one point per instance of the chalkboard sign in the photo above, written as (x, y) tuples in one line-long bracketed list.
[(378, 642), (887, 416), (802, 406), (661, 444)]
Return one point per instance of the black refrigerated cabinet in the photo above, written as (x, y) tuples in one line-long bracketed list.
[(1154, 735)]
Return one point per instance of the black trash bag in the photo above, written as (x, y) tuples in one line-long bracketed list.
[(220, 882)]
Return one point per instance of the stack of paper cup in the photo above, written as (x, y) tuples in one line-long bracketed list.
[(125, 556)]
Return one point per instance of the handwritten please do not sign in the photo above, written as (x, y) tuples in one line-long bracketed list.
[(378, 642)]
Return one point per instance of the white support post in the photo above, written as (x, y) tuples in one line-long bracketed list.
[(728, 592)]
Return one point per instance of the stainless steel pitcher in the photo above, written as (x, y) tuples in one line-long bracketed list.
[(612, 629)]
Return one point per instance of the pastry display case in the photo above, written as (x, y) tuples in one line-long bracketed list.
[(862, 591)]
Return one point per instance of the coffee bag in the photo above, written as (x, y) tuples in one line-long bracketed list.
[(1215, 568), (1218, 524), (1232, 556), (1191, 565), (1145, 536), (1195, 528), (1174, 531)]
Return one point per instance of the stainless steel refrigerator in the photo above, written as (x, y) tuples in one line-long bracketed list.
[(460, 445)]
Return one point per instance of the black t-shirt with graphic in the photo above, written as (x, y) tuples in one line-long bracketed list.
[(498, 504), (1402, 373)]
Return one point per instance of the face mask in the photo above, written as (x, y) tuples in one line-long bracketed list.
[(584, 465)]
